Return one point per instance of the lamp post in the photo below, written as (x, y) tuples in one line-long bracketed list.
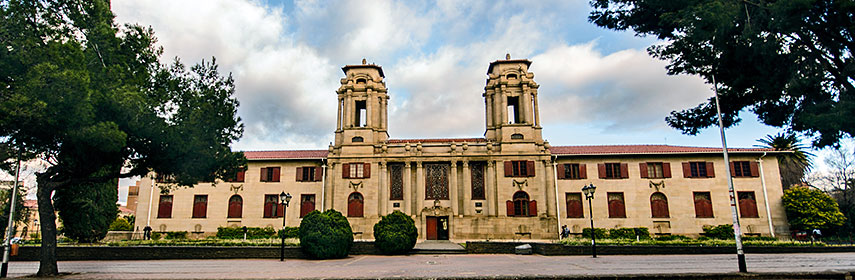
[(589, 195), (284, 199)]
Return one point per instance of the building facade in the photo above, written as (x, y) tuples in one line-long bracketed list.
[(510, 184)]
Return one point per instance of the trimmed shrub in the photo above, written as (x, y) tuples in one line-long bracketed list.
[(176, 235), (120, 224), (251, 232), (395, 233), (599, 233), (758, 238), (289, 232), (723, 232), (156, 235), (672, 237), (325, 235)]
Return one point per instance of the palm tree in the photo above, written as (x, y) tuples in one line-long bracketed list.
[(793, 165)]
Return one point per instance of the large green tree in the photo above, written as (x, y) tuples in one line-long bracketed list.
[(794, 165), (788, 61), (809, 208), (84, 94), (87, 209), (22, 213)]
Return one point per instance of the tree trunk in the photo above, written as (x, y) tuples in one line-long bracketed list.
[(47, 220)]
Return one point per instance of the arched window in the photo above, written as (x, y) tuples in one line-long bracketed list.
[(360, 81), (512, 76), (516, 136), (235, 206), (521, 206), (659, 205), (354, 205), (357, 139)]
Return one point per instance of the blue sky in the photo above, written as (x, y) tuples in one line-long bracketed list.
[(598, 86)]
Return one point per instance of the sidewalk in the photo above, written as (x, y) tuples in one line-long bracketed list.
[(760, 266)]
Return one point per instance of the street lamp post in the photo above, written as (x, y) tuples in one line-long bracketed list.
[(589, 195), (284, 199)]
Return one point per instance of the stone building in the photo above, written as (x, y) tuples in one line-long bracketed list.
[(510, 184)]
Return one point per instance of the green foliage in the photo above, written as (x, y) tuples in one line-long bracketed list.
[(705, 242), (629, 233), (156, 235), (808, 43), (809, 208), (721, 232), (395, 233), (87, 209), (672, 237), (793, 165), (173, 235), (758, 238), (251, 232), (120, 224), (325, 235), (599, 233), (22, 213), (289, 232)]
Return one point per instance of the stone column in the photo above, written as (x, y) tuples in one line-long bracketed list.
[(455, 209), (408, 190), (503, 108), (348, 109), (466, 203), (338, 116), (384, 113), (330, 188), (536, 110), (420, 188), (490, 188), (382, 190), (525, 100), (489, 107), (548, 192), (369, 112)]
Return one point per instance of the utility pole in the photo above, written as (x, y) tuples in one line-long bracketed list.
[(7, 244)]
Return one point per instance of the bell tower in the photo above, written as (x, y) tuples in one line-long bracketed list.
[(511, 99), (362, 101)]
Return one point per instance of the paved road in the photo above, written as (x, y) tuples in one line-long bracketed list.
[(429, 266)]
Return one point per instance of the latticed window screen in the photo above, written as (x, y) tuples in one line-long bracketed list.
[(436, 181), (477, 169), (396, 182)]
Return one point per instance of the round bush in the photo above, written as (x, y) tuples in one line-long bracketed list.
[(325, 235), (396, 233)]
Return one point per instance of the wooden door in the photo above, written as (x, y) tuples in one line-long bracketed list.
[(430, 228)]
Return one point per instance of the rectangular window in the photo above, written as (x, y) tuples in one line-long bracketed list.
[(164, 208), (747, 205), (572, 171), (309, 174), (200, 206), (238, 177), (703, 205), (617, 207), (307, 204), (613, 170), (513, 109), (272, 207), (356, 170), (436, 181), (698, 169), (655, 170), (270, 174), (574, 205), (396, 181), (477, 173), (744, 169), (519, 168), (361, 117)]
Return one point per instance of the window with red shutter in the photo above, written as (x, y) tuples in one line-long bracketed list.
[(698, 169), (659, 205), (275, 171), (574, 205), (345, 170), (519, 168), (164, 208), (270, 203), (703, 205), (617, 208), (613, 170), (264, 175), (307, 204), (355, 203), (521, 205), (299, 174), (747, 205), (235, 206), (200, 206), (532, 208), (319, 173)]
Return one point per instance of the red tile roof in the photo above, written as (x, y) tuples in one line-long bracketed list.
[(293, 154), (438, 140), (644, 149), (31, 203)]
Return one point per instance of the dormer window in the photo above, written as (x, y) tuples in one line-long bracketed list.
[(512, 76), (360, 81)]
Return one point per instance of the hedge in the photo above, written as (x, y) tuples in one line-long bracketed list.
[(395, 233)]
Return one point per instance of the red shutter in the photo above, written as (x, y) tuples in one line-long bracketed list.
[(666, 169), (710, 170), (509, 169), (241, 176), (529, 168), (583, 172), (280, 210), (532, 208), (624, 170), (300, 174), (366, 173), (561, 172), (687, 170), (345, 170), (642, 169), (235, 207), (268, 208), (510, 208), (276, 172), (264, 174), (574, 208), (601, 167), (306, 207), (319, 173), (754, 171), (733, 169), (659, 208)]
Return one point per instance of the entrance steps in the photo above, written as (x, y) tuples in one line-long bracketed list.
[(432, 247)]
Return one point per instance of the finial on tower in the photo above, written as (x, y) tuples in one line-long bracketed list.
[(507, 56), (364, 61)]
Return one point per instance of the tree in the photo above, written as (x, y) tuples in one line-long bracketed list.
[(87, 209), (22, 213), (395, 233), (788, 62), (121, 224), (325, 235), (793, 166), (809, 208), (839, 181), (83, 94)]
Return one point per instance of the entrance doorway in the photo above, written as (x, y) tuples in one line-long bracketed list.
[(437, 228)]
